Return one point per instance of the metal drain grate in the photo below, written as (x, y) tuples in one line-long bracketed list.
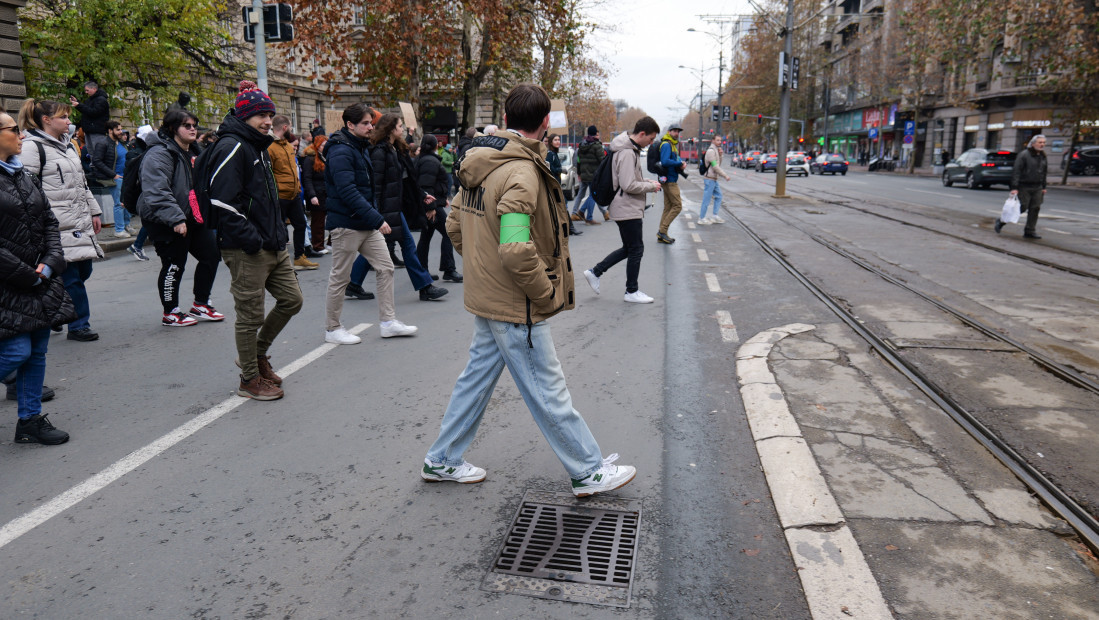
[(563, 548)]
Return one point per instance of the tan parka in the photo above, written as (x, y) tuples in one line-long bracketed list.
[(525, 282)]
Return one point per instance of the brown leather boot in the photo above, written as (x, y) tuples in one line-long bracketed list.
[(259, 389), (266, 371)]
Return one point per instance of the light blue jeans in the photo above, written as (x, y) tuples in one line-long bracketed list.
[(711, 189), (121, 214), (538, 375)]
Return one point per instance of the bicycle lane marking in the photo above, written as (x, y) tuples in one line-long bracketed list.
[(97, 482)]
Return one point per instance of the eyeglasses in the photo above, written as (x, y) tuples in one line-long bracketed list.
[(190, 125), (14, 128)]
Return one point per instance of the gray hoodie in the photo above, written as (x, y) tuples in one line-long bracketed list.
[(166, 181), (628, 204)]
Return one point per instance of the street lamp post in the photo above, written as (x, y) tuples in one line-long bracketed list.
[(784, 107)]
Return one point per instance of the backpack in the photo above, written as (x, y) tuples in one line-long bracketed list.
[(602, 182), (202, 210), (131, 182), (653, 160), (702, 167)]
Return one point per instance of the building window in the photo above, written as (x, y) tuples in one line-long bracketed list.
[(294, 115)]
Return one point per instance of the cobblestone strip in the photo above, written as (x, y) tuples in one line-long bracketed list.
[(837, 580)]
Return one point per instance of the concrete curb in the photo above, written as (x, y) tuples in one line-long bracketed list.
[(834, 573)]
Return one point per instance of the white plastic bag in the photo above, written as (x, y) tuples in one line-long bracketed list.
[(1010, 213)]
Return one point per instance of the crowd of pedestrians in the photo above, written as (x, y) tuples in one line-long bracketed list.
[(355, 194)]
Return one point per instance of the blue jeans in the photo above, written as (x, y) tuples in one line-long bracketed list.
[(26, 355), (416, 272), (121, 214), (74, 277), (142, 235), (711, 189), (538, 375)]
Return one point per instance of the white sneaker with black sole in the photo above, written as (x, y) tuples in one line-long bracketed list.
[(441, 472), (593, 280), (607, 478)]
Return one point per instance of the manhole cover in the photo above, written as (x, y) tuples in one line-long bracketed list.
[(563, 548)]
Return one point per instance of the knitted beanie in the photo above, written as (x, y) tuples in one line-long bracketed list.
[(592, 130), (252, 101)]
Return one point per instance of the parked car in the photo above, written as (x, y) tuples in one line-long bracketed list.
[(767, 162), (570, 180), (797, 163), (829, 162), (1084, 161), (979, 168), (751, 158)]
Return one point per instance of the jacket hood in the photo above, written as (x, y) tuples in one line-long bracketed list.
[(622, 142), (590, 139), (172, 145), (233, 126), (487, 153), (344, 136), (46, 138)]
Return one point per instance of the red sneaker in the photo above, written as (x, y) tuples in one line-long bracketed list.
[(177, 319), (206, 312)]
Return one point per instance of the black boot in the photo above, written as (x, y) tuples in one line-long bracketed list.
[(432, 292), (354, 291), (47, 392), (572, 229)]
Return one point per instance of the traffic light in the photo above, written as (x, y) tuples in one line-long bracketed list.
[(801, 141), (734, 116), (759, 119), (278, 23)]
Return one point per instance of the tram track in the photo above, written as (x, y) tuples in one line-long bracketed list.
[(1057, 499)]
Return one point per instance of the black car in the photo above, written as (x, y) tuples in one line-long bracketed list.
[(980, 168), (1084, 161)]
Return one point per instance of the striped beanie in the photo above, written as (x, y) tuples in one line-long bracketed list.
[(252, 101)]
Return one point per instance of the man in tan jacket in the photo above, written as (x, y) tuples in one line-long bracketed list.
[(510, 225), (627, 208), (711, 188), (284, 165)]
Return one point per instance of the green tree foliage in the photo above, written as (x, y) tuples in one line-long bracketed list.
[(133, 48)]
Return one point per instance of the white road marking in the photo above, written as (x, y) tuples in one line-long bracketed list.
[(696, 238), (703, 256), (728, 330), (21, 525), (712, 283), (691, 225), (1054, 230), (924, 191)]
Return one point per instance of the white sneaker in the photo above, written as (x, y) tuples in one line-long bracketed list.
[(593, 280), (394, 328), (607, 478), (122, 234), (717, 219), (464, 473), (637, 297), (341, 336), (704, 222)]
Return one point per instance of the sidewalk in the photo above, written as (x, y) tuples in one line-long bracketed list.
[(1053, 180)]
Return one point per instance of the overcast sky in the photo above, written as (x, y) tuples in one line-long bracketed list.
[(651, 42)]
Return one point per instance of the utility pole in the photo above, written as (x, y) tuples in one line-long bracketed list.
[(261, 45), (701, 84), (784, 108)]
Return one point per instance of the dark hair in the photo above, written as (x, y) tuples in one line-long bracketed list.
[(280, 120), (384, 127), (290, 136), (646, 124), (526, 107), (173, 120), (429, 143), (549, 143), (113, 125), (356, 112), (32, 111), (471, 132)]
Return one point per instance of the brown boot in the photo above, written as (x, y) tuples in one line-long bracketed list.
[(576, 217), (266, 371), (259, 388)]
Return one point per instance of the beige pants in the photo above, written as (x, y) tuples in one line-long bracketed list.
[(673, 204), (347, 244)]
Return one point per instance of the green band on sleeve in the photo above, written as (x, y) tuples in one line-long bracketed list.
[(514, 228)]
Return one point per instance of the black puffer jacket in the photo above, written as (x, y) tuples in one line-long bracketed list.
[(312, 182), (94, 113), (243, 191), (29, 236), (395, 188), (431, 177)]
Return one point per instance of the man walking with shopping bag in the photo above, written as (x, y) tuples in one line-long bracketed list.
[(1028, 183)]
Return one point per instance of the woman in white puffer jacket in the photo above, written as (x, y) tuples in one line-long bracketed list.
[(49, 154)]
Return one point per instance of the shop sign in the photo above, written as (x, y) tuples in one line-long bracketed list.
[(1030, 123), (995, 126)]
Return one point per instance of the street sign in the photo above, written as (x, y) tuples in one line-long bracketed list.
[(715, 113), (910, 128), (783, 70), (725, 112), (795, 64), (873, 133), (908, 139)]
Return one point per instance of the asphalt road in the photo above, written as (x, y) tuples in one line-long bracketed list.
[(312, 507)]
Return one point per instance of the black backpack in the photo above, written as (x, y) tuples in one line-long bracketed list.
[(653, 160), (702, 167), (131, 182), (602, 182), (202, 209)]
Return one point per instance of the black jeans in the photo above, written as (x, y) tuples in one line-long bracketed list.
[(446, 261), (294, 210), (173, 249), (633, 248)]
